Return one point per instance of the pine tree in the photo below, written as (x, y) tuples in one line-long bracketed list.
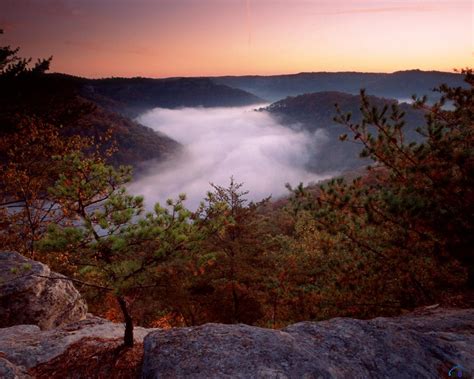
[(407, 224), (112, 246)]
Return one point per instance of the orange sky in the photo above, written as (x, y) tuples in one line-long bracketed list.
[(161, 38)]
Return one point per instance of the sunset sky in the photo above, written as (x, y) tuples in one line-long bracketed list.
[(162, 38)]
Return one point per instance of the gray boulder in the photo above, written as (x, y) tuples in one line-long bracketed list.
[(423, 345), (31, 294)]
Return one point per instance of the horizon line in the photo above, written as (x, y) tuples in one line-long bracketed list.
[(454, 71)]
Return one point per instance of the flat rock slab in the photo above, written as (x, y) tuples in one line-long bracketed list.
[(30, 293), (26, 346), (412, 346)]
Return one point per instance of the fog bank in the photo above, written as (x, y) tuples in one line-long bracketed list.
[(220, 143)]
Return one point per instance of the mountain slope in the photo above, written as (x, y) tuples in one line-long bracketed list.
[(136, 95), (135, 143), (315, 113), (58, 100)]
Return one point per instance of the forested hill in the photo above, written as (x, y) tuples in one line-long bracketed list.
[(60, 100), (316, 111), (133, 96), (400, 84)]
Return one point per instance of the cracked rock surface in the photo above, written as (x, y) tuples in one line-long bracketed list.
[(423, 345)]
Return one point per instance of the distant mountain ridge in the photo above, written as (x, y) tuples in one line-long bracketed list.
[(132, 96), (399, 84)]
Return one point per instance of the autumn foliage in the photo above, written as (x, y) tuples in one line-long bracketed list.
[(404, 230), (397, 237)]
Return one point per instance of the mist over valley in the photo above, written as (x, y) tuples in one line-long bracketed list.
[(259, 188), (218, 143), (265, 146)]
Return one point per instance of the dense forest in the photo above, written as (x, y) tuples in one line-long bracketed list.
[(397, 237)]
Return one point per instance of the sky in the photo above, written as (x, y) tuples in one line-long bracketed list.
[(168, 38)]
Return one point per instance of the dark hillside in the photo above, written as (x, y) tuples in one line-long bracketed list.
[(135, 143), (136, 95), (315, 113), (58, 100)]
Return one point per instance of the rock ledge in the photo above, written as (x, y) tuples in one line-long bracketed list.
[(412, 346)]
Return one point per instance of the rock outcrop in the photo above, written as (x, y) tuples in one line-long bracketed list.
[(412, 346), (424, 344), (31, 294), (9, 371), (24, 347)]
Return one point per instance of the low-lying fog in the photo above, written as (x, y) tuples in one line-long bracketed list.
[(220, 143)]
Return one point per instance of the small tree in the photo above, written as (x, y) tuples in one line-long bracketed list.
[(110, 246), (235, 253)]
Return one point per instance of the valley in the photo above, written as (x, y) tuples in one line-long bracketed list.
[(236, 189)]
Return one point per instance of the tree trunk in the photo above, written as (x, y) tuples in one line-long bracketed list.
[(128, 335), (235, 304), (275, 304)]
